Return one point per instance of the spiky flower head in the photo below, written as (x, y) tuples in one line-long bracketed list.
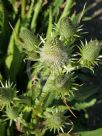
[(53, 54), (7, 94), (61, 85), (12, 112), (65, 84), (30, 42), (90, 54), (67, 30), (55, 120)]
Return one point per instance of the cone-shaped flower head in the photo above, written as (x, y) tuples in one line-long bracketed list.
[(90, 54), (12, 112), (55, 120), (30, 42), (61, 85), (53, 54), (7, 95), (67, 30)]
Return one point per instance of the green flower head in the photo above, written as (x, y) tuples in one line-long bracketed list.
[(90, 54), (53, 54)]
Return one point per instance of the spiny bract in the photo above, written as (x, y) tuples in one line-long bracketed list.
[(53, 54), (90, 54)]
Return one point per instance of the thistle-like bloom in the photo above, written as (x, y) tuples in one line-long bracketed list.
[(90, 54), (61, 85), (53, 54), (55, 120), (12, 114), (7, 94), (65, 84), (29, 43), (67, 30)]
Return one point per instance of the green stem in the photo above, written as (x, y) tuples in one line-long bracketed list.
[(45, 93), (23, 6), (49, 30), (36, 13), (67, 9), (30, 10), (49, 99)]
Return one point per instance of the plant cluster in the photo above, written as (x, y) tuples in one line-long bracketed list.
[(56, 58)]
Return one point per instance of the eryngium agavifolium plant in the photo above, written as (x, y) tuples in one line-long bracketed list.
[(44, 108)]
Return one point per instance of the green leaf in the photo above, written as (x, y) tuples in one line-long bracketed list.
[(67, 9), (97, 132), (56, 6), (85, 92), (3, 30), (37, 9), (2, 128), (84, 105), (11, 45), (14, 55), (49, 30)]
